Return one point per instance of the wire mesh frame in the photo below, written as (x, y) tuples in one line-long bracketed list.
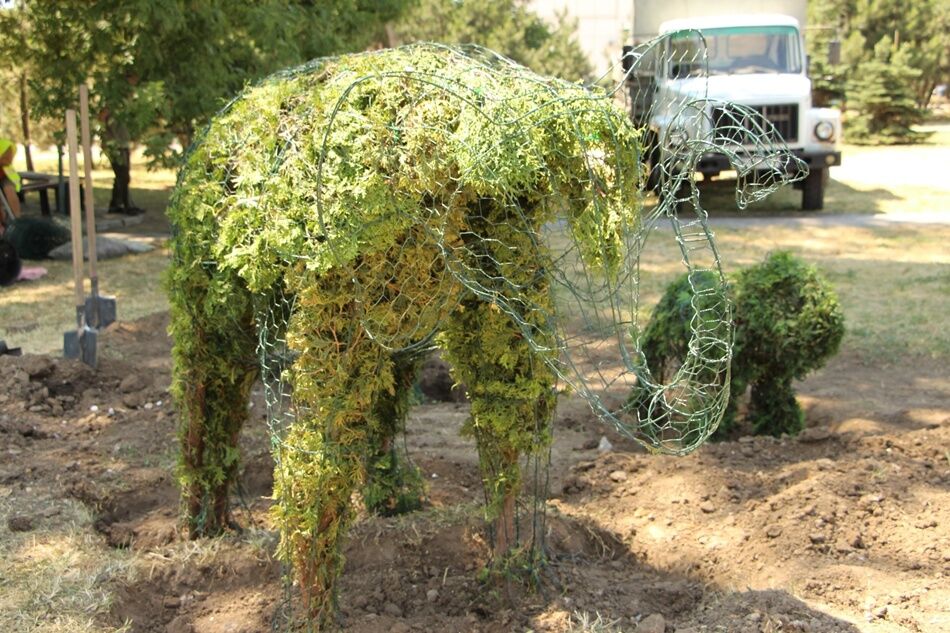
[(753, 146), (601, 357)]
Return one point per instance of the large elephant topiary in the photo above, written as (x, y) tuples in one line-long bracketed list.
[(337, 220)]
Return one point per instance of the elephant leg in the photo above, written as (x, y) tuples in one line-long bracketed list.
[(321, 460), (393, 486), (214, 370), (773, 408), (512, 405)]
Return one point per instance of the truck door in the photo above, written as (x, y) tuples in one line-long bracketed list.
[(642, 83)]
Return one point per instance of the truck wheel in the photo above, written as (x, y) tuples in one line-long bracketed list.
[(813, 189)]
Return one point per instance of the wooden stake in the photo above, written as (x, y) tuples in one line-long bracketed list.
[(87, 172), (74, 215)]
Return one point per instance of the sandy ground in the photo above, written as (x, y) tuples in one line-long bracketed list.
[(846, 528)]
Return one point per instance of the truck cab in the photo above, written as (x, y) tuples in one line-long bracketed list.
[(753, 60)]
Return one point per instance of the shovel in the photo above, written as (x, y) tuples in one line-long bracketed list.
[(81, 342), (100, 311)]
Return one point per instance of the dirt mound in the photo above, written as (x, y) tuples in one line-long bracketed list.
[(843, 529)]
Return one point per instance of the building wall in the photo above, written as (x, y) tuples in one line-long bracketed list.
[(603, 27)]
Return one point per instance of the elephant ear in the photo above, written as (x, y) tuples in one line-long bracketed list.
[(685, 355), (670, 400)]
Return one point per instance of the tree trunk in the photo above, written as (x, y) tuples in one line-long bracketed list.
[(504, 527), (120, 202), (25, 122), (117, 143)]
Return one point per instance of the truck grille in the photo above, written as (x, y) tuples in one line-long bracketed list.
[(731, 123)]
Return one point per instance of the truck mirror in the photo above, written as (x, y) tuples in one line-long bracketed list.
[(626, 59), (834, 52)]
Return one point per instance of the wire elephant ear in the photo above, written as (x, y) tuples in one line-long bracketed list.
[(604, 355)]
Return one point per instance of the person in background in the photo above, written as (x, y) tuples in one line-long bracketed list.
[(10, 181)]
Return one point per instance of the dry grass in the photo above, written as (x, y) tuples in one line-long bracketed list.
[(583, 622), (35, 314), (893, 282), (58, 576)]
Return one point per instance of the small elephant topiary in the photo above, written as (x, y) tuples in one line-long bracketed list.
[(788, 322)]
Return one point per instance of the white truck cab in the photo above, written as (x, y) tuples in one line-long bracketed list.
[(756, 60)]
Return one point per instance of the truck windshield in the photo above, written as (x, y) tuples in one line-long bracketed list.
[(736, 50)]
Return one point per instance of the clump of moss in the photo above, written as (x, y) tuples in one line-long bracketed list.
[(788, 322)]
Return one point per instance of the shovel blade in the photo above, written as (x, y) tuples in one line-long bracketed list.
[(106, 306), (81, 344)]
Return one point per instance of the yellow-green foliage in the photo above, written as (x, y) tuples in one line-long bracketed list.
[(390, 195)]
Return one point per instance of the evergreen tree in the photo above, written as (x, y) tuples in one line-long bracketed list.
[(918, 55), (882, 98), (827, 79), (506, 26)]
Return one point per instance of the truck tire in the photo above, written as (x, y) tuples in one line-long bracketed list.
[(813, 189)]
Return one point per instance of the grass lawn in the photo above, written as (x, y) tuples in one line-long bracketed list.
[(894, 281), (34, 315)]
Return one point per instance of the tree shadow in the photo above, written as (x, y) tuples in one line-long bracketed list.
[(152, 199)]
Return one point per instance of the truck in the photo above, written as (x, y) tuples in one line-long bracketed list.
[(724, 52)]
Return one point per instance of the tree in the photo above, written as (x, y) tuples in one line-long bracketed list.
[(506, 26), (882, 97), (827, 79), (921, 29), (159, 69)]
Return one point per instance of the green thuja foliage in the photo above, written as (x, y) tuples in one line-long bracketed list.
[(384, 197), (393, 487), (788, 322)]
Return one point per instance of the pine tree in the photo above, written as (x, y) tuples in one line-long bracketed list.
[(882, 100)]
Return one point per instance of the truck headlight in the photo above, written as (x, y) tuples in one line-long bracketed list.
[(825, 130)]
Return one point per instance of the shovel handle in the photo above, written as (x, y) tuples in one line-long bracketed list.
[(87, 178), (75, 218)]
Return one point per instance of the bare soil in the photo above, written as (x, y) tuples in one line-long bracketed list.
[(845, 528)]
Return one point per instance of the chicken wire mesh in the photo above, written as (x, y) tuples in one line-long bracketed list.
[(374, 206)]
